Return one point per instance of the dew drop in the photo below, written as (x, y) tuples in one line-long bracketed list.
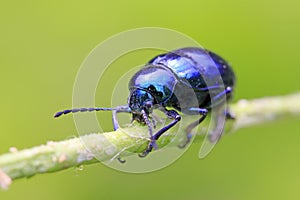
[(79, 168)]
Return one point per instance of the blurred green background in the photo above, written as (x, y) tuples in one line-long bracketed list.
[(43, 43)]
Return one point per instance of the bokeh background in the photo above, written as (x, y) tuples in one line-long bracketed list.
[(43, 43)]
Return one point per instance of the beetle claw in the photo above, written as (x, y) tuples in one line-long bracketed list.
[(121, 160), (188, 139), (152, 144)]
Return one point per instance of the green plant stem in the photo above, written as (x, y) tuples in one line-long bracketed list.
[(56, 156)]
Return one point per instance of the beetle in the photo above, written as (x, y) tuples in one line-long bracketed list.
[(154, 87)]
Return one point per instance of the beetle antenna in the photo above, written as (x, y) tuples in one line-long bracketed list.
[(75, 110)]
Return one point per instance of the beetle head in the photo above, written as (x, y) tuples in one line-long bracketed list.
[(141, 103)]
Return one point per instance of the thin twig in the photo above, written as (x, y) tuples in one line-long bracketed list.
[(56, 156)]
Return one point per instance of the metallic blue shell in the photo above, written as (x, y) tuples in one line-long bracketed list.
[(157, 80), (186, 68), (197, 67)]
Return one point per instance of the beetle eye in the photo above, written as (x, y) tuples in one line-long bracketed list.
[(148, 104)]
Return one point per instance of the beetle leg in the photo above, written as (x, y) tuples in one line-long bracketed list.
[(151, 144), (216, 134), (190, 127), (170, 114), (229, 115), (153, 121), (227, 90), (121, 160), (115, 112), (157, 118), (116, 123), (220, 97)]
